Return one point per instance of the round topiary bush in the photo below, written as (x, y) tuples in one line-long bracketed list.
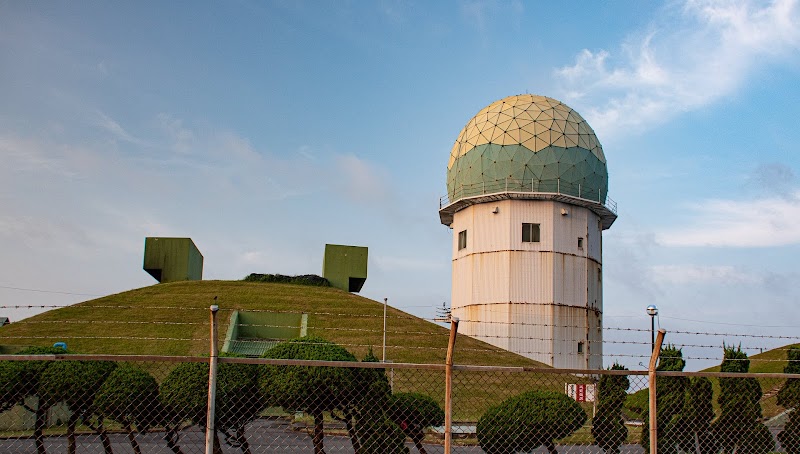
[(381, 436), (789, 397), (21, 379), (608, 427), (527, 421), (184, 393), (76, 384), (311, 389), (239, 398), (129, 396), (13, 384), (413, 412)]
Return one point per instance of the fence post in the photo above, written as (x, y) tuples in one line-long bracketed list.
[(448, 387), (651, 373), (212, 382)]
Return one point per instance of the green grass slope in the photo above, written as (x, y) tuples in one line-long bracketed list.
[(173, 319), (770, 361)]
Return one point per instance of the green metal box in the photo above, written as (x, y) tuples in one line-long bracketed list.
[(172, 259), (345, 267), (253, 333)]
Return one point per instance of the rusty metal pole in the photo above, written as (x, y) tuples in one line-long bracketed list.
[(651, 373), (212, 382), (448, 387)]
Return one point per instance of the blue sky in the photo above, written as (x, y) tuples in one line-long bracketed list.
[(264, 130)]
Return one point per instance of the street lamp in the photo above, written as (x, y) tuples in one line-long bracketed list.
[(386, 303), (652, 311)]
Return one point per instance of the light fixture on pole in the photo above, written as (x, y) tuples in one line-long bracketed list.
[(385, 303), (652, 311)]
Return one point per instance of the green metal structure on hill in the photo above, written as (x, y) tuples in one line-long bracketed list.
[(172, 259), (253, 333), (345, 267)]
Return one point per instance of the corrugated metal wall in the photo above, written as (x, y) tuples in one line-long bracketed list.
[(538, 299)]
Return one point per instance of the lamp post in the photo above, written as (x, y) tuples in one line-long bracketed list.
[(385, 303), (652, 311)]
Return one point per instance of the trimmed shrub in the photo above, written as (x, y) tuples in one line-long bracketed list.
[(23, 381), (381, 436), (738, 428), (184, 394), (239, 400), (313, 390), (304, 279), (789, 397), (608, 427), (527, 421), (690, 429), (75, 383), (413, 412), (129, 396), (670, 397), (20, 379), (365, 411), (13, 383)]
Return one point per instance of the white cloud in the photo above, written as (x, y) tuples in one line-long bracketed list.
[(361, 180), (28, 155), (182, 138), (483, 14), (740, 223), (700, 274), (389, 263), (111, 125), (693, 57)]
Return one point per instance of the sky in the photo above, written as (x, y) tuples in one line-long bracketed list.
[(265, 129)]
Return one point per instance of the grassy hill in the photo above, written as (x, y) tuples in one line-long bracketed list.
[(173, 319), (771, 361)]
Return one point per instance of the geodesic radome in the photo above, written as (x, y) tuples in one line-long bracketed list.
[(527, 143)]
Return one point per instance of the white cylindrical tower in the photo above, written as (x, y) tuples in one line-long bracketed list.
[(527, 201)]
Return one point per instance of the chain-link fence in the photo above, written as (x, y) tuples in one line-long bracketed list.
[(123, 404)]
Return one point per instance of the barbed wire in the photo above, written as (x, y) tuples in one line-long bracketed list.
[(23, 289), (113, 322), (366, 330), (375, 316), (529, 354), (62, 337), (581, 326), (377, 332)]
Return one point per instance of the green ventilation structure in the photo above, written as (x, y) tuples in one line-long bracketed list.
[(253, 333), (172, 259), (345, 267)]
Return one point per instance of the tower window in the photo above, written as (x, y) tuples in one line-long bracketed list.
[(580, 347), (462, 239), (530, 233), (580, 243)]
